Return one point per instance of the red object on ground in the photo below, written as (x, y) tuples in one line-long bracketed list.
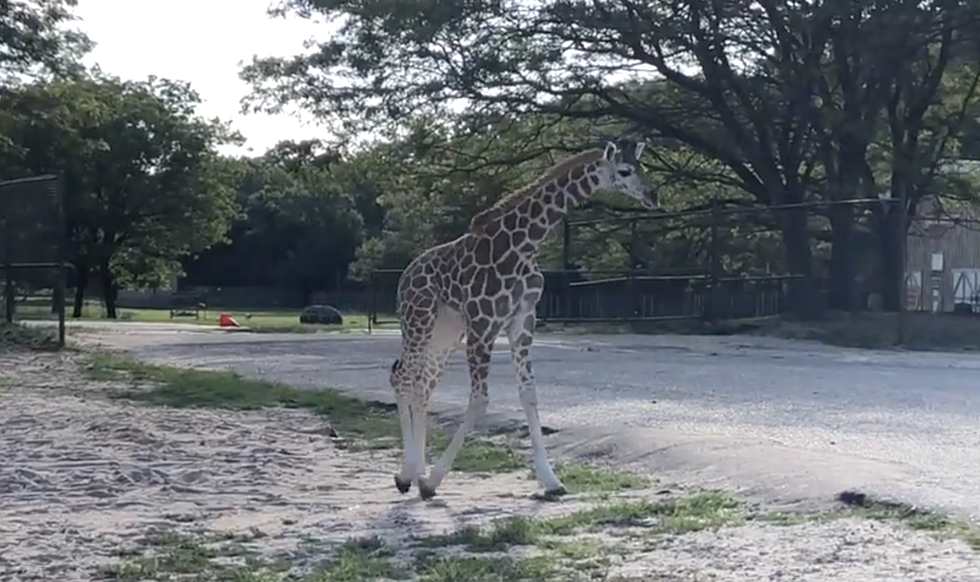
[(226, 320)]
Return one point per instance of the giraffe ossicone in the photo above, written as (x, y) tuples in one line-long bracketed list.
[(486, 282)]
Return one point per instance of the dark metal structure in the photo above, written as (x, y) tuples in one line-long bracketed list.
[(709, 293), (33, 238)]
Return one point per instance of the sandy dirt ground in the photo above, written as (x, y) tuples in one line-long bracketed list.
[(83, 475)]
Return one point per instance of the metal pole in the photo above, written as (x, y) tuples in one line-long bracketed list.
[(373, 316), (61, 254), (566, 266), (903, 219), (714, 296)]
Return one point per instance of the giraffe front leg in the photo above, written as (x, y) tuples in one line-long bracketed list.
[(478, 358), (521, 335), (410, 455)]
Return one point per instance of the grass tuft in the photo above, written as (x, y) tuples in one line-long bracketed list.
[(27, 336)]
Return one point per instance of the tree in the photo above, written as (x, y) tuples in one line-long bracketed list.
[(784, 96), (299, 225), (142, 184), (35, 40)]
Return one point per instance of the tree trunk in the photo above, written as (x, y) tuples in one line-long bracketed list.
[(890, 268), (81, 282), (843, 250), (799, 259), (110, 291)]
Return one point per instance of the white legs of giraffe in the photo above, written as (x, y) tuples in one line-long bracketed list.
[(521, 335), (478, 350), (420, 368), (423, 366)]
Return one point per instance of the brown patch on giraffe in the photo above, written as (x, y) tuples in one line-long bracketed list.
[(473, 311), (501, 243), (517, 291), (493, 284), (523, 221), (535, 208), (456, 292), (486, 305), (511, 201), (577, 172), (551, 187), (501, 305), (510, 222), (573, 190), (536, 231), (553, 215), (481, 252), (479, 282), (509, 262), (517, 237)]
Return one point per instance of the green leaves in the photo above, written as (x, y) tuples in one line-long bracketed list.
[(139, 166)]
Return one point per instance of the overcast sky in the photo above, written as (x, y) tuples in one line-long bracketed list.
[(200, 41)]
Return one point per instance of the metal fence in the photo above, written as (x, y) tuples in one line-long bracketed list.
[(32, 241), (710, 290)]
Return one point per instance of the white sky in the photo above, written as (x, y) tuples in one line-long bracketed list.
[(203, 42)]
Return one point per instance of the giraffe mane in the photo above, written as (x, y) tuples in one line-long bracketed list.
[(512, 200)]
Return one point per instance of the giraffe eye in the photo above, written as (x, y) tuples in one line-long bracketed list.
[(624, 172)]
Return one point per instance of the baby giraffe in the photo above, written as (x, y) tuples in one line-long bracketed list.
[(485, 282)]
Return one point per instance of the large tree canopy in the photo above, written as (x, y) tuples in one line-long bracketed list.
[(786, 97), (142, 185), (34, 38)]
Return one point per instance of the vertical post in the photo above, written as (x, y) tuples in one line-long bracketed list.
[(566, 266), (61, 257), (372, 318), (8, 290), (903, 220), (714, 276), (634, 302)]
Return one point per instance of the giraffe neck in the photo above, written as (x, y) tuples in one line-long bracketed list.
[(530, 221)]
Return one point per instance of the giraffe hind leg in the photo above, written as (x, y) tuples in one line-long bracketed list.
[(414, 376)]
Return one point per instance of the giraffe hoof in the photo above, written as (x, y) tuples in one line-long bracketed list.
[(551, 494), (402, 486), (426, 491)]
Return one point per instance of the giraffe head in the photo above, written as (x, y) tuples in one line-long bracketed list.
[(620, 164)]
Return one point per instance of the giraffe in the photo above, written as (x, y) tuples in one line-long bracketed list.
[(469, 290)]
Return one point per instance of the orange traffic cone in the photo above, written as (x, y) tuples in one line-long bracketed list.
[(226, 320)]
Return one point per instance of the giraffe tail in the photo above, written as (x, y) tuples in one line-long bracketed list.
[(395, 368)]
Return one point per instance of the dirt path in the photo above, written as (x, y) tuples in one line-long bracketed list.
[(98, 488)]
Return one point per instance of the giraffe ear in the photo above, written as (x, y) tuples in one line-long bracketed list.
[(639, 149), (611, 151)]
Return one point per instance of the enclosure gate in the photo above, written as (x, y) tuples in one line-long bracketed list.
[(32, 237)]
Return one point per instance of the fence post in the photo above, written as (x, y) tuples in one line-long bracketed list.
[(903, 227), (634, 299), (373, 315), (8, 291), (566, 246), (714, 245)]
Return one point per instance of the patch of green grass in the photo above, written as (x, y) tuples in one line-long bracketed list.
[(372, 423), (360, 424), (699, 511), (584, 478), (26, 336), (168, 555), (357, 560), (937, 524), (463, 568), (480, 455)]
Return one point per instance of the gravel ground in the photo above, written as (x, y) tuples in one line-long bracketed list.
[(84, 475)]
